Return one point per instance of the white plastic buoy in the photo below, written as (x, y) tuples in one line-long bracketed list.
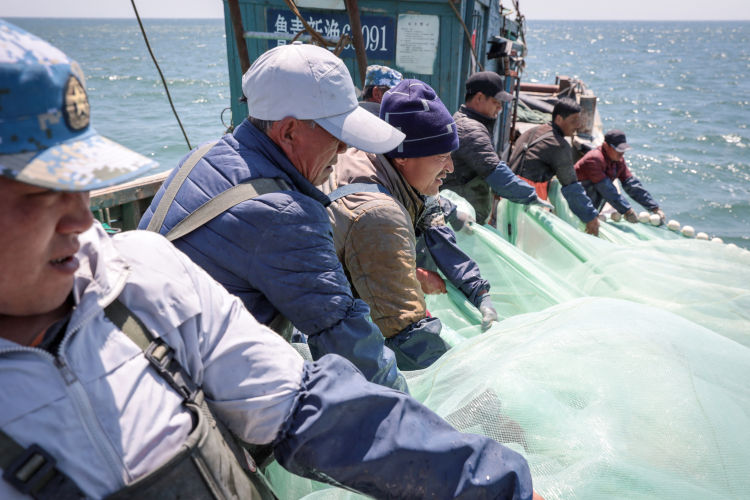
[(701, 236), (673, 225), (615, 216), (688, 231), (644, 217), (717, 240), (655, 219)]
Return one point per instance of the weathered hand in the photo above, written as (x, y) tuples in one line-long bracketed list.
[(660, 213), (466, 222), (430, 281), (544, 204), (592, 227), (489, 315), (631, 216)]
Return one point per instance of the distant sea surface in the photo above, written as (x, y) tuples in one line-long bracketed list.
[(680, 91)]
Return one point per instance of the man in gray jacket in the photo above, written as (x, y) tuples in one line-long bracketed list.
[(542, 153), (120, 359), (479, 174)]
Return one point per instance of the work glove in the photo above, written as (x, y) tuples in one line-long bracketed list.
[(489, 314), (464, 222), (631, 216), (592, 226), (658, 211), (543, 203), (430, 281)]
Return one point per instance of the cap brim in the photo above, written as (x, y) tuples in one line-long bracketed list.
[(503, 96), (621, 148), (361, 129), (89, 162)]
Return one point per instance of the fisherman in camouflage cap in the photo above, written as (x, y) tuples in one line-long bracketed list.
[(46, 138), (378, 80)]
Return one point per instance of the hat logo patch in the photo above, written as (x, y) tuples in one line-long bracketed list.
[(76, 107)]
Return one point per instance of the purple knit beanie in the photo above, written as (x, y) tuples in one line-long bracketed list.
[(415, 109)]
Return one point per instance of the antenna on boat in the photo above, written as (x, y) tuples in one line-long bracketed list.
[(163, 81)]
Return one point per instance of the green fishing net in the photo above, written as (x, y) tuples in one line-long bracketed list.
[(620, 367)]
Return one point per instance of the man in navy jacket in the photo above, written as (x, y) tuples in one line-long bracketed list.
[(275, 251)]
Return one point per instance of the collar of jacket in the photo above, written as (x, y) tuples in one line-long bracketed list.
[(378, 170), (102, 271), (121, 266), (484, 120), (397, 185), (557, 130), (250, 137), (372, 107), (616, 164)]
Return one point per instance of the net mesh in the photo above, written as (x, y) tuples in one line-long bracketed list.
[(620, 370)]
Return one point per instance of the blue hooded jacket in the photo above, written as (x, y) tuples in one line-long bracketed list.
[(276, 251)]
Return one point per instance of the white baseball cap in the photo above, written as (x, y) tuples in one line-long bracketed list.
[(310, 83)]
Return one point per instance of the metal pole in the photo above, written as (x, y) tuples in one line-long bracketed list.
[(511, 139), (239, 40), (359, 43)]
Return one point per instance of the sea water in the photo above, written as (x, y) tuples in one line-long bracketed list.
[(681, 93), (679, 90)]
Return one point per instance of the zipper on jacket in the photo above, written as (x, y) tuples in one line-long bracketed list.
[(81, 402), (67, 374)]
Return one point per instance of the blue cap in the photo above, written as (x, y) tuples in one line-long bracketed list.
[(414, 108), (46, 138), (382, 76)]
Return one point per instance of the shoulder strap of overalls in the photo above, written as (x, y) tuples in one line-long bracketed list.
[(33, 471), (533, 142), (162, 358), (213, 207), (223, 202), (174, 186), (157, 352)]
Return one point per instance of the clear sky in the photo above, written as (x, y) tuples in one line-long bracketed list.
[(532, 9)]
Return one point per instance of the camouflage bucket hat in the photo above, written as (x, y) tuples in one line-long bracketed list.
[(382, 76), (45, 134)]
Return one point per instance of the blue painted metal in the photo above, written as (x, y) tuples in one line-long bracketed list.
[(379, 19)]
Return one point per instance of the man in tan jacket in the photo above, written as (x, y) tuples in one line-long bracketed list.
[(377, 201)]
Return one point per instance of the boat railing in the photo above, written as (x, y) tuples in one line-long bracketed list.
[(121, 206)]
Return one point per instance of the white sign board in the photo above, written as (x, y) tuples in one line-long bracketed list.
[(416, 43)]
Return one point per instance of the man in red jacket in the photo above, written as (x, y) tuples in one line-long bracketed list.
[(601, 166)]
